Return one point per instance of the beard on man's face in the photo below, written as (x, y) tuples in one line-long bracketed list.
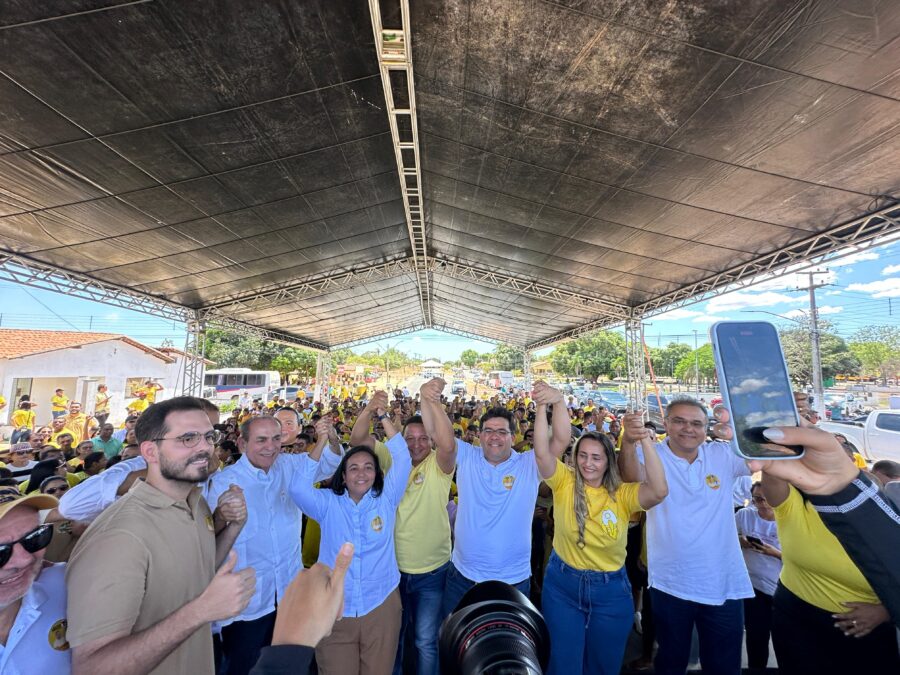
[(191, 470)]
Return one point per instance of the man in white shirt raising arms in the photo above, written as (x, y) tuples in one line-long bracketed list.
[(697, 575), (497, 494)]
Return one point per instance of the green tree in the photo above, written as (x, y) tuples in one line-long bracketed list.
[(665, 359), (232, 350), (878, 350), (836, 357), (505, 357), (702, 359), (292, 359), (592, 355), (469, 357)]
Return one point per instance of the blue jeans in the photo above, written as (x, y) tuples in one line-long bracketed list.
[(421, 595), (589, 615), (719, 627), (457, 585)]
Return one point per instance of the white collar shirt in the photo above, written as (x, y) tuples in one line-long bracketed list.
[(37, 639), (763, 569), (368, 525), (86, 501), (270, 541), (693, 551), (493, 521)]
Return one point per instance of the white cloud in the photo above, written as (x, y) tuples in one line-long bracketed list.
[(792, 282), (678, 315), (709, 318), (859, 256), (750, 385), (890, 269), (830, 309), (743, 300), (885, 288), (794, 314)]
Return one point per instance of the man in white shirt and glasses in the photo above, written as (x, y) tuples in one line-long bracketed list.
[(497, 494), (270, 540)]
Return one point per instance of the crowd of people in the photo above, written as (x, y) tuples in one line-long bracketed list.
[(177, 543)]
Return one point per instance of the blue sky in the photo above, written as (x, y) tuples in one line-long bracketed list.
[(863, 289)]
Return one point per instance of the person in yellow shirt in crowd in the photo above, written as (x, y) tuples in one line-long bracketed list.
[(586, 597), (2, 403), (101, 404), (140, 404), (826, 617), (59, 404), (422, 530), (22, 420), (77, 423), (152, 389)]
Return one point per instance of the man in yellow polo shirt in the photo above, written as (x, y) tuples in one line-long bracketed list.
[(422, 532), (77, 422), (140, 404), (59, 404), (151, 389)]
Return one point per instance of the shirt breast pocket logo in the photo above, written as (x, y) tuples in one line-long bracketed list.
[(419, 479), (377, 524), (509, 481), (713, 481), (57, 635)]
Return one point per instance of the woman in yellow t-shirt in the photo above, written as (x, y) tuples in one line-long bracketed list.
[(21, 419), (586, 596), (826, 617)]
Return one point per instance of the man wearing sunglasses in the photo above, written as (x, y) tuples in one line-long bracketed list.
[(32, 593), (143, 577)]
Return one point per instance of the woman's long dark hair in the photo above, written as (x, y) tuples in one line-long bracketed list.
[(41, 470), (338, 486)]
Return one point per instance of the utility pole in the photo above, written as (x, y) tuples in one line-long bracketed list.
[(696, 363), (818, 387)]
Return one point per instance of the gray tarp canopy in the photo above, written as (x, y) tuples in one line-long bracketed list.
[(577, 162)]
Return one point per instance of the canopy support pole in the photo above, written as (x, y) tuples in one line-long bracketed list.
[(194, 359), (634, 353)]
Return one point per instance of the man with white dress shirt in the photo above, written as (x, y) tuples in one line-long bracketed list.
[(270, 540), (497, 494), (697, 575)]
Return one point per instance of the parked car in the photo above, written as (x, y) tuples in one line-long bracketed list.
[(615, 402), (458, 388), (876, 438), (657, 414)]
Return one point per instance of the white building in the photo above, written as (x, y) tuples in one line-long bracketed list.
[(36, 362)]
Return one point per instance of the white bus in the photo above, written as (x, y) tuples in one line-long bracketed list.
[(500, 378), (227, 384)]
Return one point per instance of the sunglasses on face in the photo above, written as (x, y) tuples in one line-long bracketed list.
[(36, 540), (57, 490)]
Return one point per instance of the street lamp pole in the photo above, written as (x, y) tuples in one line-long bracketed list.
[(696, 363)]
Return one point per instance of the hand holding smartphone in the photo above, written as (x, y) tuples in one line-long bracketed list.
[(756, 390)]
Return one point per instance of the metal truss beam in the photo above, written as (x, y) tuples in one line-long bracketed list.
[(453, 330), (860, 233), (23, 270), (526, 368), (578, 331), (381, 336), (528, 288), (265, 334), (634, 356), (193, 365), (323, 377), (309, 288), (394, 48)]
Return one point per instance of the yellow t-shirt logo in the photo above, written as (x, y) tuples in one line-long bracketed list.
[(419, 479), (610, 523)]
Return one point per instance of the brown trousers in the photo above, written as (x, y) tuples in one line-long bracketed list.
[(364, 645)]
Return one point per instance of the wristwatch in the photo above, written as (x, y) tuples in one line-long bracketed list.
[(380, 417)]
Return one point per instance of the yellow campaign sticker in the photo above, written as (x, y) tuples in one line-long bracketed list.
[(57, 636), (508, 481), (377, 523), (713, 481)]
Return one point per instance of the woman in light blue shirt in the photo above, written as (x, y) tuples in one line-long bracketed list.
[(360, 507)]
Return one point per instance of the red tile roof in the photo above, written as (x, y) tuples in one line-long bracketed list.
[(16, 343)]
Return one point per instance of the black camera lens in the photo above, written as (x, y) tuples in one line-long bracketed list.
[(494, 630)]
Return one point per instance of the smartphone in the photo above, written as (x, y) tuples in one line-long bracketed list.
[(753, 377), (754, 540)]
